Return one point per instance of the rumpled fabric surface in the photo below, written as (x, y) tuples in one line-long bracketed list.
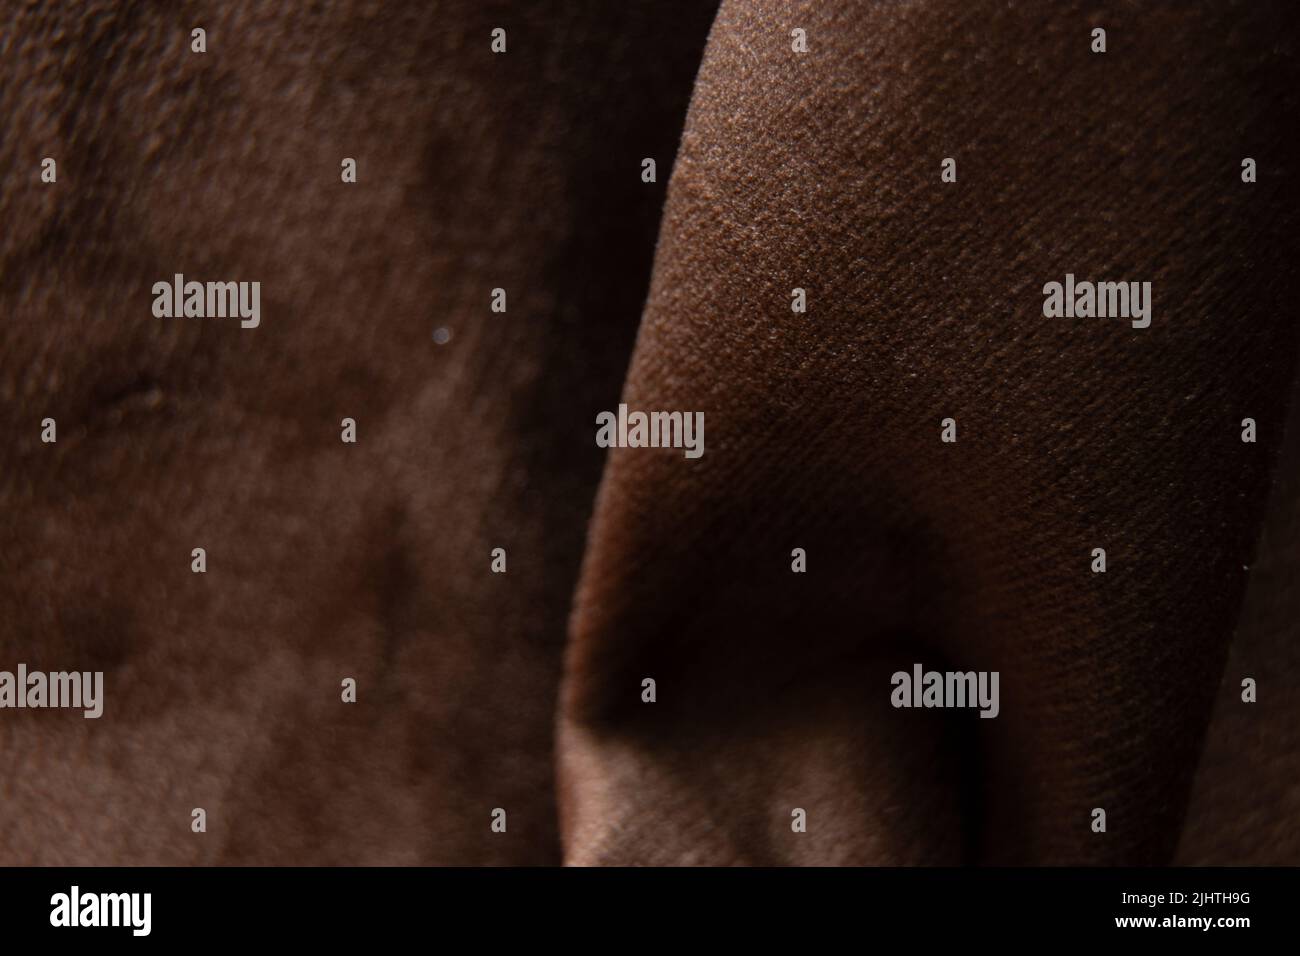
[(325, 560), (522, 691), (822, 172)]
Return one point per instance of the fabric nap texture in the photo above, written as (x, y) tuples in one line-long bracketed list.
[(924, 303), (325, 560), (522, 171)]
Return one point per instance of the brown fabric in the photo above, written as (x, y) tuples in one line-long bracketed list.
[(1246, 800), (822, 172), (522, 171), (325, 560)]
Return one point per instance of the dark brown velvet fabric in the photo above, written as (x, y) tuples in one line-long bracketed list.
[(522, 171), (822, 172), (325, 560)]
